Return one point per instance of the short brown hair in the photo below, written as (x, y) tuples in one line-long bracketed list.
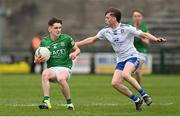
[(54, 20), (114, 12), (139, 11)]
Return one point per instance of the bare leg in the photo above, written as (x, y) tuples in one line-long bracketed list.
[(62, 79), (46, 76), (138, 76), (117, 83), (138, 73), (126, 74)]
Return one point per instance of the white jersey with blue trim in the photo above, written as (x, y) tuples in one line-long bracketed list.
[(121, 39)]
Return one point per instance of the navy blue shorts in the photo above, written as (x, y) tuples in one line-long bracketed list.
[(134, 60)]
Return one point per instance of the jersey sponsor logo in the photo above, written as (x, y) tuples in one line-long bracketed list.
[(59, 52), (115, 40)]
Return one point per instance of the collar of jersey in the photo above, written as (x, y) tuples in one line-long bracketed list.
[(56, 39), (119, 25)]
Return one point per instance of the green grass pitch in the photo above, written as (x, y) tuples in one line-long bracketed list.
[(91, 94)]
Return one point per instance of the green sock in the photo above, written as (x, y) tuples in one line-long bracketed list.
[(46, 98), (68, 101)]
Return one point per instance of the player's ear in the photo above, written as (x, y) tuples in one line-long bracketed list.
[(49, 29), (114, 18)]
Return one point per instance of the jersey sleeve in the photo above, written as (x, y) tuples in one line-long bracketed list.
[(101, 34), (134, 31), (42, 43), (71, 42)]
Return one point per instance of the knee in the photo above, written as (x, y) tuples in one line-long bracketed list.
[(125, 75), (115, 84), (62, 80)]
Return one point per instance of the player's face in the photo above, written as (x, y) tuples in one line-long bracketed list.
[(109, 20), (137, 17), (55, 30)]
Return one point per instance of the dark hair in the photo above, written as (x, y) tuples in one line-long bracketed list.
[(114, 12), (139, 11), (54, 20)]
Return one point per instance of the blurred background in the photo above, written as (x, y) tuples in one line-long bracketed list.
[(22, 20)]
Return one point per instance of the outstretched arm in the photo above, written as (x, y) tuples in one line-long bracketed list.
[(87, 41), (145, 41), (151, 37)]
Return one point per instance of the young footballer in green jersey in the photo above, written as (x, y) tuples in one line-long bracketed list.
[(140, 44), (63, 50)]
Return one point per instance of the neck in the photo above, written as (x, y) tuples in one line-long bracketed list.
[(136, 24), (115, 25), (53, 37)]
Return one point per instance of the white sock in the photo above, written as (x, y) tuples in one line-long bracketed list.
[(145, 95), (137, 100)]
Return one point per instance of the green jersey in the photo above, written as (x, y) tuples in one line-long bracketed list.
[(60, 50), (139, 45)]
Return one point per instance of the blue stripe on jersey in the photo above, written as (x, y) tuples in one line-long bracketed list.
[(124, 25)]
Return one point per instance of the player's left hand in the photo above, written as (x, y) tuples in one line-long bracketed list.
[(72, 56), (160, 39)]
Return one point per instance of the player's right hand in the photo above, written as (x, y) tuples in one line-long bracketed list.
[(72, 56), (160, 39), (39, 59)]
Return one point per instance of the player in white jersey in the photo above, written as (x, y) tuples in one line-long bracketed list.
[(121, 36), (121, 39)]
